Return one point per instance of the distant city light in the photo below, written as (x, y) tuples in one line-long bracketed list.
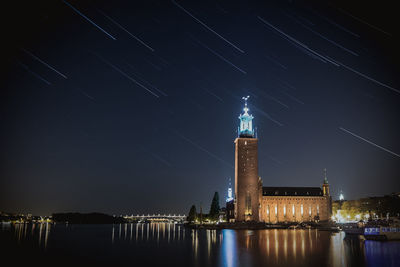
[(229, 197)]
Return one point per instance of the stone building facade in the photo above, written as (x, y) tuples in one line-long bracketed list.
[(253, 202), (294, 204)]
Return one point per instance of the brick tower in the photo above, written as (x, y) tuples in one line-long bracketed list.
[(246, 170)]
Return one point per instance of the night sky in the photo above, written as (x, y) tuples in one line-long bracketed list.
[(129, 107)]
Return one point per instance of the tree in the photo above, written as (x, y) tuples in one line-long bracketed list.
[(335, 207), (192, 214), (214, 210)]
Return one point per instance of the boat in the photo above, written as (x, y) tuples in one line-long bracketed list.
[(382, 233), (354, 231), (329, 228)]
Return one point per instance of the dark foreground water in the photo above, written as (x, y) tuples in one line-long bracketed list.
[(163, 244)]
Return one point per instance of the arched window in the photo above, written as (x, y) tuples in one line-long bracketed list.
[(248, 204)]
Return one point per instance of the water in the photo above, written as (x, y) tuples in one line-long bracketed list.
[(164, 244)]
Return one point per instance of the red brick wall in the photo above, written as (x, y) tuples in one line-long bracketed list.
[(246, 178)]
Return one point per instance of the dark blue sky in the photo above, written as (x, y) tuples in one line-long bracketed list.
[(134, 107)]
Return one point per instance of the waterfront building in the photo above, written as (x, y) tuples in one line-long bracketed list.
[(385, 207), (254, 202)]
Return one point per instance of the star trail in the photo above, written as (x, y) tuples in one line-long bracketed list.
[(132, 106)]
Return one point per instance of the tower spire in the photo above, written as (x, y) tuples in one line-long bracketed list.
[(229, 197), (245, 103), (246, 124), (341, 197), (325, 177), (325, 185)]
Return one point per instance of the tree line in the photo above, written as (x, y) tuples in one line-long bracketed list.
[(213, 215), (378, 206)]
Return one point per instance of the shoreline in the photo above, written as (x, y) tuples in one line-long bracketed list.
[(260, 226)]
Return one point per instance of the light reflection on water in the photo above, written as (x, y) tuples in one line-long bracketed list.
[(228, 248), (21, 232)]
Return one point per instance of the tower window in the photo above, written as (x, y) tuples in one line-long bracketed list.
[(248, 204)]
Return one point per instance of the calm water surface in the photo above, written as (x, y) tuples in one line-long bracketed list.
[(164, 244)]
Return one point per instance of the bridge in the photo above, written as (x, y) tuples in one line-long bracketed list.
[(156, 217)]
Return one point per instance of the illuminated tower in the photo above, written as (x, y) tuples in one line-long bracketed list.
[(229, 198), (327, 195), (246, 170), (325, 185)]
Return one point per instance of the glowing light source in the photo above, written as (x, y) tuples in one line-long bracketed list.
[(246, 124), (229, 197)]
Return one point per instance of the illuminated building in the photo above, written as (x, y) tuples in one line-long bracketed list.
[(253, 202), (229, 197), (230, 215), (341, 197), (246, 170)]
